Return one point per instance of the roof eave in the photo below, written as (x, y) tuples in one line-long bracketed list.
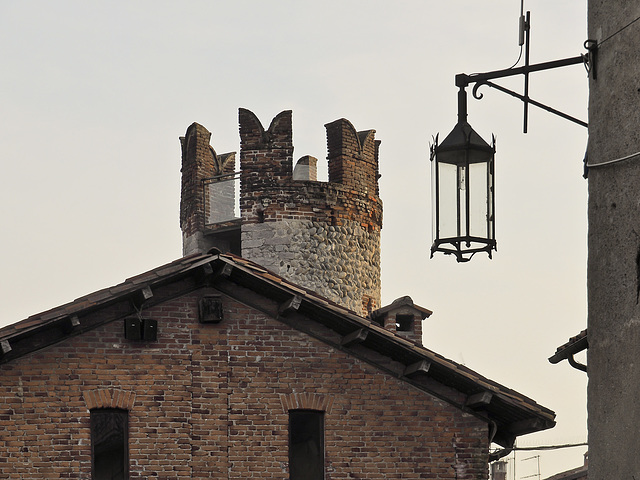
[(508, 413)]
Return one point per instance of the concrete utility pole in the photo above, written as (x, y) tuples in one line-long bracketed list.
[(614, 241)]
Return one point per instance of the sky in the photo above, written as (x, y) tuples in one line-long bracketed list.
[(95, 95)]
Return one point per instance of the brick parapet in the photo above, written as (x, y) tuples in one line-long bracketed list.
[(330, 203), (197, 205), (197, 164), (352, 156), (269, 193)]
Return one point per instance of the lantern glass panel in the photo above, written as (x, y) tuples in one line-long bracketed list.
[(448, 200), (478, 200), (463, 173)]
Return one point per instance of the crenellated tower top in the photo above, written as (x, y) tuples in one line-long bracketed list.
[(322, 235)]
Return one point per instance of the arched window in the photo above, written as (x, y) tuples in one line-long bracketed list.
[(306, 445), (109, 444)]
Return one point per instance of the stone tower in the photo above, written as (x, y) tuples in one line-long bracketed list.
[(324, 236)]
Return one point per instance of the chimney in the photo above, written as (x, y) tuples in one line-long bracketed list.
[(499, 470), (306, 169), (402, 317)]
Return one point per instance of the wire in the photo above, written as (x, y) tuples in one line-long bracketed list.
[(609, 162), (616, 33), (518, 60), (553, 447), (505, 451)]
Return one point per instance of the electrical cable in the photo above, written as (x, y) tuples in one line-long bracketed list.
[(518, 60), (521, 29), (616, 33), (610, 162), (552, 447), (512, 66), (627, 157), (521, 48), (500, 453)]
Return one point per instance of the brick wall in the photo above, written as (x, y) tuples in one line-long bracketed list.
[(211, 401), (269, 192)]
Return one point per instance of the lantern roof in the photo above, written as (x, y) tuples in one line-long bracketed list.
[(463, 136)]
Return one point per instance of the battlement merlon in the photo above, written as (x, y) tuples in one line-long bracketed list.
[(266, 156), (353, 156)]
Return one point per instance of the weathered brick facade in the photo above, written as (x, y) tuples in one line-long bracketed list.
[(212, 401)]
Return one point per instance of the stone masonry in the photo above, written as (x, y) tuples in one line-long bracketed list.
[(324, 236), (338, 262)]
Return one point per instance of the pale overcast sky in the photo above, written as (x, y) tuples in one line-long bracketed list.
[(94, 96)]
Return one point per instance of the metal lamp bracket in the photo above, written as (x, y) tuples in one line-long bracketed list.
[(479, 79)]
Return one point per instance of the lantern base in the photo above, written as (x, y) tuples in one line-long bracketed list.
[(464, 248)]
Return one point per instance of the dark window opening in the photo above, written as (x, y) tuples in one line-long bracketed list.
[(109, 449), (404, 323), (306, 445)]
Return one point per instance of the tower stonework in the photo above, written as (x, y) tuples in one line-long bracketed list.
[(324, 236)]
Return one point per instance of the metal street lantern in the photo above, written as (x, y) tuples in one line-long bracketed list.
[(463, 164), (463, 190)]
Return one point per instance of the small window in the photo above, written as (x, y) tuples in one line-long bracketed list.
[(404, 323), (306, 445), (109, 439)]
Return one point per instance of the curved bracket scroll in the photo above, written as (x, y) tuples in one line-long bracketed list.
[(474, 90)]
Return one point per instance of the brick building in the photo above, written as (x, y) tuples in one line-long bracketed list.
[(214, 366)]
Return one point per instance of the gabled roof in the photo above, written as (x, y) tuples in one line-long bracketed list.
[(508, 412)]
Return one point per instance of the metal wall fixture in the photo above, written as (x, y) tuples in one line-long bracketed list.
[(136, 328), (463, 184), (210, 309)]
